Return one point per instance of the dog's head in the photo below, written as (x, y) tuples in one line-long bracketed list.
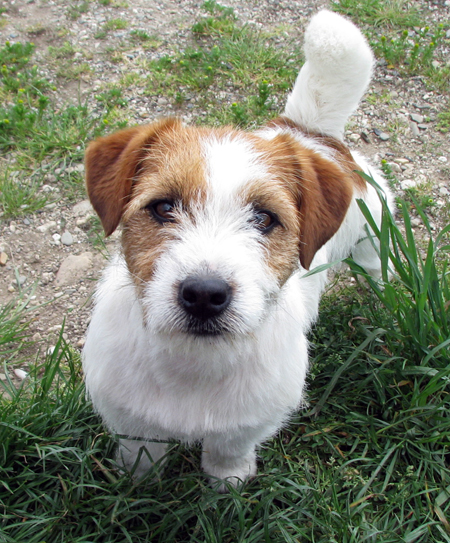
[(214, 221)]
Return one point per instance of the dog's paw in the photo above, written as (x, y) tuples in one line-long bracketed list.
[(139, 457), (235, 470)]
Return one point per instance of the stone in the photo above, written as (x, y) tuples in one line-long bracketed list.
[(47, 277), (20, 280), (67, 238), (73, 268), (354, 138), (3, 259), (21, 374), (396, 168), (382, 135), (83, 208), (414, 129), (416, 118), (408, 184), (44, 228)]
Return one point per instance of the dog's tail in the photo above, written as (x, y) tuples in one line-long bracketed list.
[(336, 73)]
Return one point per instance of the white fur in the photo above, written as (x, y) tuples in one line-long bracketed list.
[(151, 380), (335, 75)]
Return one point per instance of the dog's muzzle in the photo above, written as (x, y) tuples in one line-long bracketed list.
[(204, 299)]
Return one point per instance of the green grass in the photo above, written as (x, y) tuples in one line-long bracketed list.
[(444, 120), (367, 460), (380, 13), (110, 26), (225, 55), (19, 196), (397, 32), (78, 8), (35, 129)]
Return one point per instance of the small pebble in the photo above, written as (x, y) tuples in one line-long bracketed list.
[(354, 138), (21, 374), (20, 280), (416, 118), (67, 238), (46, 227), (414, 129), (382, 135), (396, 168), (407, 184)]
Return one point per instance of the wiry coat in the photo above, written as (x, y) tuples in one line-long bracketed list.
[(243, 215)]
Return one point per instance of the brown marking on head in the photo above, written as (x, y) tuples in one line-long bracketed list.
[(273, 194), (318, 188), (128, 170), (172, 170), (343, 155), (113, 162)]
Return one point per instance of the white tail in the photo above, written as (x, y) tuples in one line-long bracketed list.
[(336, 73)]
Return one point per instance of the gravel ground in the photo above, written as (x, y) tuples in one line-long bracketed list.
[(52, 251)]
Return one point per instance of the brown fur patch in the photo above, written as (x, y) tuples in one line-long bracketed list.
[(129, 169), (343, 155), (112, 163), (320, 188), (273, 194), (173, 169)]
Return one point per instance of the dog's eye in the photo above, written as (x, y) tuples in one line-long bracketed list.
[(162, 210), (264, 221)]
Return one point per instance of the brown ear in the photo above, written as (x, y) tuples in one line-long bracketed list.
[(322, 188), (112, 163), (325, 195)]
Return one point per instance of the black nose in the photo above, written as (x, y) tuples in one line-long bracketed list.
[(204, 297)]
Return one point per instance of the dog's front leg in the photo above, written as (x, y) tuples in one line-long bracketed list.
[(231, 457), (138, 456)]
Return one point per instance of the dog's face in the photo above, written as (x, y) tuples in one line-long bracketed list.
[(214, 221)]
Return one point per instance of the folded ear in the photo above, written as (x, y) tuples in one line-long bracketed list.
[(323, 189), (326, 191), (111, 164)]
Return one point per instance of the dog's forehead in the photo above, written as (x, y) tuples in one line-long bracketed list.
[(222, 167), (231, 163)]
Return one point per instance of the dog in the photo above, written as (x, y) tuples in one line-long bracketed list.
[(199, 326)]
